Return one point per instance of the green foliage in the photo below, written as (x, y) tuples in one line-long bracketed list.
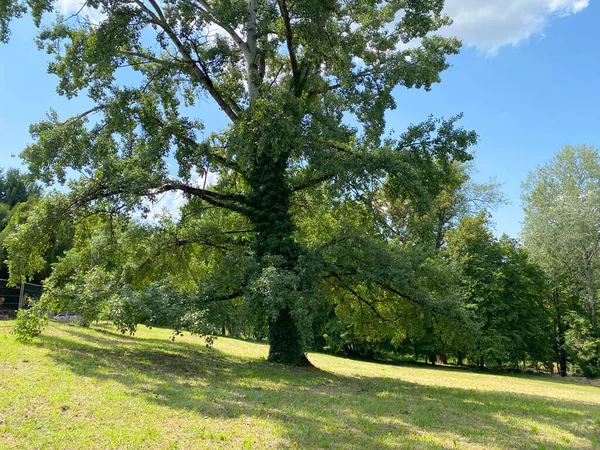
[(288, 77), (17, 196), (562, 234), (36, 235), (127, 313), (583, 344), (334, 335), (13, 189), (30, 323), (562, 215), (427, 218), (157, 305), (405, 256), (505, 293)]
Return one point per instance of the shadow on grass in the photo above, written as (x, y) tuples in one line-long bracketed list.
[(318, 409)]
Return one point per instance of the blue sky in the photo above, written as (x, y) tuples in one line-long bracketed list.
[(526, 81)]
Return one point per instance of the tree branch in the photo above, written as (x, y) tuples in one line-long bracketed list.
[(336, 86), (251, 63), (217, 158), (397, 292), (289, 37), (311, 182), (360, 298), (214, 198), (205, 7), (222, 298), (158, 19), (83, 114), (232, 202)]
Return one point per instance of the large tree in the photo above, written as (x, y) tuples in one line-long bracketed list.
[(304, 86), (562, 221), (427, 220), (561, 230), (16, 188), (416, 228)]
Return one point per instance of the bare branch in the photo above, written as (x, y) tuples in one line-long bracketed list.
[(84, 114), (276, 76)]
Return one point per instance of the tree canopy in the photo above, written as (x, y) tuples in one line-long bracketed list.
[(17, 195), (504, 291), (305, 87)]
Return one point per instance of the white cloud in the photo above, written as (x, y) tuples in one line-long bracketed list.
[(169, 203), (205, 180), (68, 7), (485, 24), (492, 24)]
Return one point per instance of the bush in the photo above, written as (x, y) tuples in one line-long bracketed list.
[(30, 323)]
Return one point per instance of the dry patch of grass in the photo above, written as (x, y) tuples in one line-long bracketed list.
[(96, 389)]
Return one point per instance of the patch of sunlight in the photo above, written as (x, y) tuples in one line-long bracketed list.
[(553, 435)]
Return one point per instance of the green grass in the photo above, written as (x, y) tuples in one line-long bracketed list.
[(96, 389)]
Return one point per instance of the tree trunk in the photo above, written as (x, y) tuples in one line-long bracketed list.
[(442, 358), (286, 341), (591, 288), (269, 199), (561, 354)]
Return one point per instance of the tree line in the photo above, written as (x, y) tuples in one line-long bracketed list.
[(469, 297)]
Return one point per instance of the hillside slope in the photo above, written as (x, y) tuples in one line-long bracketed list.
[(96, 389)]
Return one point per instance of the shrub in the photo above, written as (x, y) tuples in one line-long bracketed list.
[(30, 323)]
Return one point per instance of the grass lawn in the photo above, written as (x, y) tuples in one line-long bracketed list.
[(96, 389)]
